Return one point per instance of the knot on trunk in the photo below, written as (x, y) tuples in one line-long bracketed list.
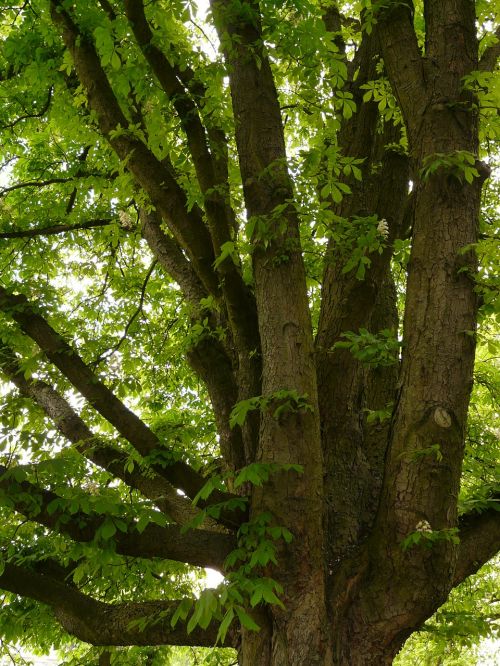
[(442, 418)]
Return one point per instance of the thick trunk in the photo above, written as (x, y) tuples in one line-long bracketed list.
[(296, 637)]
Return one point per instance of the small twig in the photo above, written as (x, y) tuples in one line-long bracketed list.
[(134, 316), (27, 116), (203, 32), (35, 183), (8, 649), (72, 197)]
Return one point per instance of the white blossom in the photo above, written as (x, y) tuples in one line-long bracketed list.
[(125, 219), (383, 228), (423, 526)]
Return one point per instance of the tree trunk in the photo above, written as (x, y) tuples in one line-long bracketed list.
[(351, 492)]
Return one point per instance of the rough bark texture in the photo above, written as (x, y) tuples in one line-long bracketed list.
[(352, 594)]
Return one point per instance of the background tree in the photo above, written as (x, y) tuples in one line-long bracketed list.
[(209, 233)]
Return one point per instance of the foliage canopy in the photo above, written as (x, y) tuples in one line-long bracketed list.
[(248, 296)]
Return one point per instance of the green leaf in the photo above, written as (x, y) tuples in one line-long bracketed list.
[(181, 612), (115, 61), (240, 410), (224, 625), (228, 251), (107, 529), (245, 619), (256, 597), (142, 523), (271, 598)]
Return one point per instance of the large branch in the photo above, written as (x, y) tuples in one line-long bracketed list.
[(403, 59), (450, 29), (479, 541), (150, 173), (115, 461), (187, 93), (441, 304), (280, 286), (159, 486), (66, 359), (424, 458), (188, 114), (99, 623), (171, 258), (283, 308), (197, 547), (208, 357), (238, 298), (348, 303)]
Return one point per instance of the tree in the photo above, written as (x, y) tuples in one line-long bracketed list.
[(209, 235)]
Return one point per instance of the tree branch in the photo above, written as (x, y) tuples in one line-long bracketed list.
[(54, 229), (344, 382), (186, 110), (238, 298), (44, 183), (156, 487), (207, 357), (99, 623), (82, 158), (490, 57), (197, 547), (153, 176), (450, 32), (116, 462), (139, 310), (171, 257), (347, 304), (27, 116), (66, 359), (280, 287), (479, 541), (403, 59)]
